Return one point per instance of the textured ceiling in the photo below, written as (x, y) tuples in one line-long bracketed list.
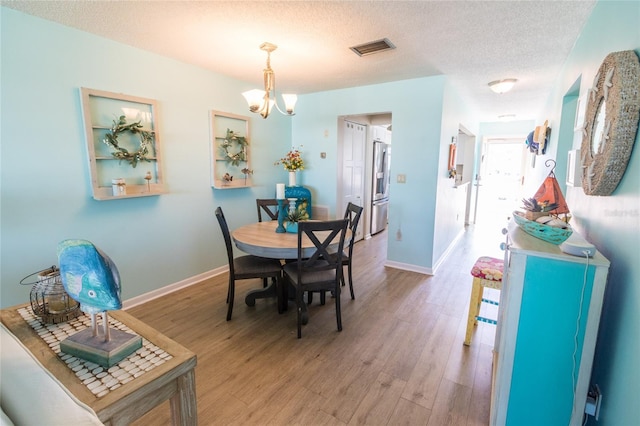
[(472, 42)]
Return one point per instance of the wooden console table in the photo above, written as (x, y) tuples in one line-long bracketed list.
[(173, 379)]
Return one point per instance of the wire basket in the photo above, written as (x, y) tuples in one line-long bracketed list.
[(547, 233), (49, 300)]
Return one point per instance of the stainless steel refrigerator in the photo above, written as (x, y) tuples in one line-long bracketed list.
[(380, 186)]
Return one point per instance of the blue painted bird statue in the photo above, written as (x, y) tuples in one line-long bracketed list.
[(89, 276)]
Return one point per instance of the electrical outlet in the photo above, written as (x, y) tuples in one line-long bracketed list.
[(401, 178), (594, 400)]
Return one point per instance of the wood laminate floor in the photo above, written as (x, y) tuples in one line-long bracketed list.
[(398, 361)]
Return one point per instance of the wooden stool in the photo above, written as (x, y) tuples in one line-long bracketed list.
[(487, 272)]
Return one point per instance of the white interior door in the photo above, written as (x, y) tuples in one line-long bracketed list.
[(353, 167)]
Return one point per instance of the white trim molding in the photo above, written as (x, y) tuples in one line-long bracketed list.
[(408, 267), (163, 291)]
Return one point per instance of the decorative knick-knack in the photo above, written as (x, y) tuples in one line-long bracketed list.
[(148, 178), (118, 187)]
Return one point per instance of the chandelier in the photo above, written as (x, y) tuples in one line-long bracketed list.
[(263, 101)]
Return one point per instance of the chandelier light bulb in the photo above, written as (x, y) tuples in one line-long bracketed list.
[(254, 99)]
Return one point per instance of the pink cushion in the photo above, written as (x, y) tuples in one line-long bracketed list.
[(488, 268)]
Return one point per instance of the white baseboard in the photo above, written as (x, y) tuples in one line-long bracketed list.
[(448, 251), (143, 298), (408, 267), (422, 270)]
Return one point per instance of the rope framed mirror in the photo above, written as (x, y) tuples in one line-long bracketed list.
[(611, 122)]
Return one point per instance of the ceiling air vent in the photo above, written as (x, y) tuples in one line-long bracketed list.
[(373, 47)]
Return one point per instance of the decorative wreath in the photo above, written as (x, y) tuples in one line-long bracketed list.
[(146, 138), (231, 139)]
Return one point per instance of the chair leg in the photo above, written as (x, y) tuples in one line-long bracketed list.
[(474, 305), (353, 297), (230, 295), (480, 296), (279, 295), (338, 311), (299, 303)]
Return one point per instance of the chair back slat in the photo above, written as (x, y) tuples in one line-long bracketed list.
[(268, 206), (322, 234), (353, 213)]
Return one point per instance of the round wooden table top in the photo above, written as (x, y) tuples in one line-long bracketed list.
[(261, 239)]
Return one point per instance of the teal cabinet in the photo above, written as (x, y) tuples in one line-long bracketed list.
[(550, 309)]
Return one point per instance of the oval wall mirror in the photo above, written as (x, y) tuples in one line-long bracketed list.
[(597, 135)]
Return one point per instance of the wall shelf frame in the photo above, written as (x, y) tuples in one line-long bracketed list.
[(143, 176), (228, 156)]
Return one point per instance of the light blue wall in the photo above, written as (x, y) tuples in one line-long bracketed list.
[(451, 200), (416, 106), (612, 223), (46, 194)]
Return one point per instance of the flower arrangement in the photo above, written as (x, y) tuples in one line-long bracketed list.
[(291, 162)]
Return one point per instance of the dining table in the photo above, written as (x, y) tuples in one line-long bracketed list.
[(261, 239)]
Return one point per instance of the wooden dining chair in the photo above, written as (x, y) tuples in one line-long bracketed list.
[(322, 271), (245, 267), (268, 206), (352, 214)]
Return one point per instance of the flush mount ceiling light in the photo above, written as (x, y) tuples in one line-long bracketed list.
[(502, 86), (263, 101)]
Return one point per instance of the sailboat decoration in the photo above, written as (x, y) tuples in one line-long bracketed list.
[(546, 215), (549, 197)]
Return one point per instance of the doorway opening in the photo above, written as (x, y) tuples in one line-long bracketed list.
[(502, 165), (357, 135)]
